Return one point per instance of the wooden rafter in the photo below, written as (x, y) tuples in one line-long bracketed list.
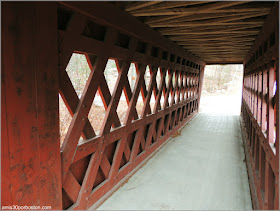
[(140, 4), (230, 24), (181, 11), (203, 8), (167, 31), (194, 17), (169, 4), (222, 19)]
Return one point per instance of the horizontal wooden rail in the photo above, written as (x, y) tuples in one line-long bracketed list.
[(260, 114), (91, 168)]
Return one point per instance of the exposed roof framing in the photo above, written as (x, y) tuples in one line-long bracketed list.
[(215, 31)]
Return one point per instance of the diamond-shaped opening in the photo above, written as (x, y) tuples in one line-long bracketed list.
[(162, 101), (176, 97), (97, 113), (140, 105), (167, 79), (179, 80), (174, 80), (147, 77), (153, 102), (78, 71), (184, 80), (111, 74), (169, 99), (181, 97), (158, 78), (122, 107), (64, 119), (191, 80), (132, 76)]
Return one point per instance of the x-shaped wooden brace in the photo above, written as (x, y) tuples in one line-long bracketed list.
[(98, 157), (122, 147)]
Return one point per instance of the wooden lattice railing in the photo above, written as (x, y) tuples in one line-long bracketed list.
[(260, 115), (92, 167)]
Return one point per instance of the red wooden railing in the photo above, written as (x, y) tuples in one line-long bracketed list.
[(260, 115), (93, 167)]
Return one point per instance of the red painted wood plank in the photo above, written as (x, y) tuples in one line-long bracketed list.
[(32, 119), (71, 186), (47, 104), (6, 192)]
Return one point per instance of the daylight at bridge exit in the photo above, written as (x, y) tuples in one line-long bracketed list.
[(140, 105)]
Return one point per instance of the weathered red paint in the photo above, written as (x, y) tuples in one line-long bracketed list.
[(36, 53), (120, 145), (258, 115), (30, 133)]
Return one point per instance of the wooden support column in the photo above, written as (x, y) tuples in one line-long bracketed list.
[(264, 89), (276, 202), (259, 97), (270, 110), (200, 84), (31, 164)]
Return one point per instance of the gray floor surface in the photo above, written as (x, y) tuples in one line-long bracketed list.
[(202, 169)]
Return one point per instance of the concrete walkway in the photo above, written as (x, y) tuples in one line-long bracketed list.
[(202, 169)]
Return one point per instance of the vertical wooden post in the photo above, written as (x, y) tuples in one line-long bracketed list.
[(259, 96), (270, 110), (276, 201), (30, 93), (200, 84), (264, 87)]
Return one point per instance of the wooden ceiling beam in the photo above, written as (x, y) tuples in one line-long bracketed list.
[(213, 6), (214, 45), (204, 36), (169, 5), (226, 18), (201, 50), (207, 23), (188, 17), (213, 39), (208, 46), (218, 32), (216, 37), (212, 27), (209, 52), (140, 4), (186, 11), (219, 49)]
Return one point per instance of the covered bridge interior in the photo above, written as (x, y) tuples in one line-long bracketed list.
[(172, 42)]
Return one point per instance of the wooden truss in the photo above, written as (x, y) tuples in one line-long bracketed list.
[(91, 168), (260, 115)]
